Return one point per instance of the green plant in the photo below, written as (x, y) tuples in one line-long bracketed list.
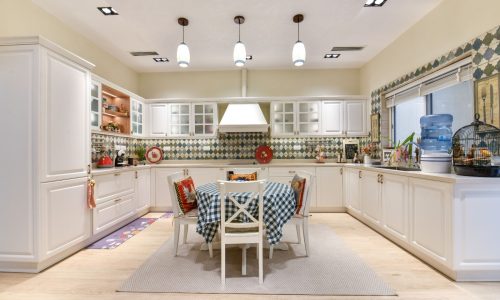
[(140, 152)]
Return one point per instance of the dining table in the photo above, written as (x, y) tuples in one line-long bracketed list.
[(279, 207)]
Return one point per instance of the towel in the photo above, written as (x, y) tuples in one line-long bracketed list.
[(90, 193)]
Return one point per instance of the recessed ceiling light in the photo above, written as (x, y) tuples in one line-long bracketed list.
[(249, 57), (160, 59), (374, 3), (347, 48), (143, 53), (108, 11), (332, 55)]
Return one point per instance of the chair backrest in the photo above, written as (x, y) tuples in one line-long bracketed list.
[(173, 194), (228, 189), (245, 171), (310, 182)]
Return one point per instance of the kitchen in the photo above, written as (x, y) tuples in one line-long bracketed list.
[(169, 119)]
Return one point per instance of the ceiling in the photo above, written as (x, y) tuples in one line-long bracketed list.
[(268, 32)]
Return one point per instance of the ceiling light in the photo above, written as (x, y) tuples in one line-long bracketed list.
[(374, 3), (108, 11), (143, 53), (239, 53), (160, 59), (299, 50), (332, 55), (249, 57), (183, 56)]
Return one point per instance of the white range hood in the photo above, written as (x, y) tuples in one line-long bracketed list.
[(243, 118)]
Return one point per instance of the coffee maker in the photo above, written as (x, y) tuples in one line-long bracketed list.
[(120, 158)]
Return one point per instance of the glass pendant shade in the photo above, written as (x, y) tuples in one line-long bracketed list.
[(299, 54), (239, 54), (183, 56)]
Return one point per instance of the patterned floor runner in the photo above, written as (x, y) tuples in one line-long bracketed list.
[(121, 235)]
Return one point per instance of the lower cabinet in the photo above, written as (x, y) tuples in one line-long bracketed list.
[(394, 205), (161, 189), (352, 190), (203, 176), (143, 189), (329, 188), (370, 196), (113, 212), (65, 217)]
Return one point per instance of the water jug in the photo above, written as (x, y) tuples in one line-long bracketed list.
[(436, 132)]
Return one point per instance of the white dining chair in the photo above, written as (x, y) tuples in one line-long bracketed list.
[(301, 221), (234, 232), (180, 219)]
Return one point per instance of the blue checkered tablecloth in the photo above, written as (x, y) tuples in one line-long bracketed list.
[(279, 207)]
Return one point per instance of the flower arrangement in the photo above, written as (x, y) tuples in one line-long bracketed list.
[(320, 153), (370, 149), (402, 154)]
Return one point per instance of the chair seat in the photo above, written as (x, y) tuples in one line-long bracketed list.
[(242, 230), (190, 214)]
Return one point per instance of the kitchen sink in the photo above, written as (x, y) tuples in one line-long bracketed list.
[(397, 168)]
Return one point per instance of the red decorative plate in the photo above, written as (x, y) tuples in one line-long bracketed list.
[(264, 154), (154, 155)]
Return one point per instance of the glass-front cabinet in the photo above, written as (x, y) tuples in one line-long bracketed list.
[(95, 105), (204, 119), (296, 118), (186, 119), (179, 119), (137, 121)]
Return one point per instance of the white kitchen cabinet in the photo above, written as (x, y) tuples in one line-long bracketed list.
[(143, 189), (45, 94), (296, 118), (203, 176), (370, 196), (329, 188), (112, 212), (113, 185), (179, 119), (333, 117), (137, 117), (355, 118), (430, 217), (65, 217), (162, 199), (95, 105), (352, 190), (158, 125), (204, 119), (394, 200)]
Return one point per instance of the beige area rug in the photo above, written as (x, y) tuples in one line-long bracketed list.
[(331, 269)]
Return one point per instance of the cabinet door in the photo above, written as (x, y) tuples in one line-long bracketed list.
[(158, 119), (394, 197), (95, 105), (353, 189), (162, 189), (204, 119), (370, 196), (333, 117), (137, 117), (143, 189), (309, 118), (329, 187), (355, 118), (112, 212), (206, 175), (283, 118), (65, 217), (64, 134), (111, 186), (179, 119), (430, 217)]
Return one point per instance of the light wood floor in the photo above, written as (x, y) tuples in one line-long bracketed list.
[(95, 274)]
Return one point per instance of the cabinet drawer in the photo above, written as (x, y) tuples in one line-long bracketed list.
[(112, 212), (112, 185), (278, 172)]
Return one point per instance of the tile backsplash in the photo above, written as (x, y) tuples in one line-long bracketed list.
[(227, 146)]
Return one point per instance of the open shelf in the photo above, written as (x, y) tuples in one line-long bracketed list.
[(116, 109)]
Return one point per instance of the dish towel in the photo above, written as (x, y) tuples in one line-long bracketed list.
[(90, 193)]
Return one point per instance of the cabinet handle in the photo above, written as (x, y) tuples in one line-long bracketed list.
[(136, 175), (341, 171), (359, 175), (88, 169), (118, 200), (381, 178), (291, 172), (378, 178), (117, 174)]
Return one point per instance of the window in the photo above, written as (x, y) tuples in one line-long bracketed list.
[(407, 118)]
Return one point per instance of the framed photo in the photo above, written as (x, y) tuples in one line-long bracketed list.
[(351, 147), (486, 99), (375, 122), (386, 154)]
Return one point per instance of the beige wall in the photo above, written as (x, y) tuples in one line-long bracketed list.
[(448, 26), (23, 18), (260, 83)]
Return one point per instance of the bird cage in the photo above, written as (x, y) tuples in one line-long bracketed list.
[(476, 150)]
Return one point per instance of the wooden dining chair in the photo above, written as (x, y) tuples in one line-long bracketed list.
[(301, 221), (235, 232), (180, 219)]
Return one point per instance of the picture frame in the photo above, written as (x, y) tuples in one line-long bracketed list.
[(486, 99), (375, 127), (351, 148), (386, 154)]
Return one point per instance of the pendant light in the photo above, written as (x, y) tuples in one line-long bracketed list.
[(299, 50), (239, 53), (183, 56)]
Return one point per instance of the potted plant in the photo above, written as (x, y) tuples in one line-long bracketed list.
[(140, 152), (402, 154)]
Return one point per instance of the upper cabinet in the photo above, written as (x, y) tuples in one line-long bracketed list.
[(344, 118), (137, 114), (184, 119), (311, 118), (296, 118), (95, 105)]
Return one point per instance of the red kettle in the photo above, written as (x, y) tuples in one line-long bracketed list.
[(105, 162)]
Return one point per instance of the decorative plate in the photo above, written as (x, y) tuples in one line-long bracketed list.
[(264, 154), (154, 155)]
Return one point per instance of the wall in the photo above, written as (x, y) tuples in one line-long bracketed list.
[(448, 26), (260, 83), (23, 18)]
